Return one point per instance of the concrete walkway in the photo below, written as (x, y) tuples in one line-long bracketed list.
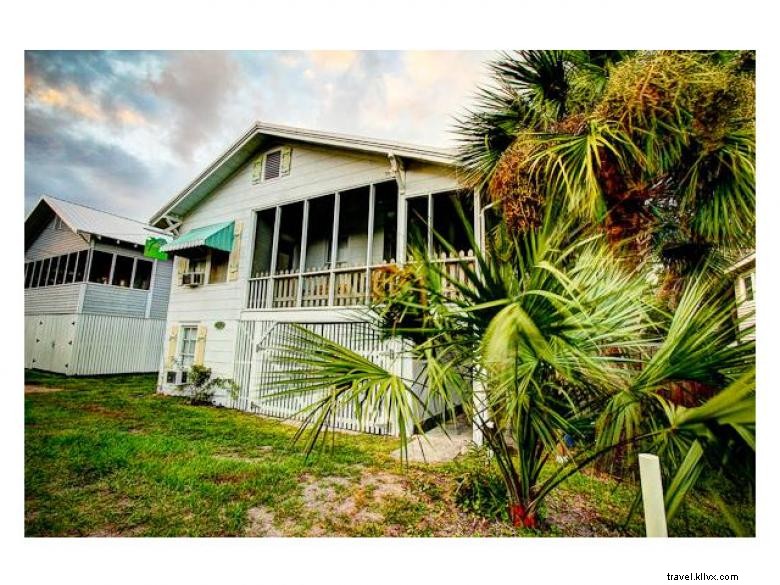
[(439, 444)]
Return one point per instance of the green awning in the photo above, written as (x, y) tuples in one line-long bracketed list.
[(218, 237)]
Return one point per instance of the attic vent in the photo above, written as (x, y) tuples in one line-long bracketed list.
[(273, 165)]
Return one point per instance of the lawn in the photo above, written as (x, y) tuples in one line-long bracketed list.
[(109, 457)]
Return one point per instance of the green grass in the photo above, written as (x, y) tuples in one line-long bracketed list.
[(108, 456)]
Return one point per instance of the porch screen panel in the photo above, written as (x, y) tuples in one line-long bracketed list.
[(123, 269), (417, 223), (52, 278), (447, 222), (264, 241), (319, 236), (36, 273), (81, 266), (353, 228), (385, 223), (290, 230), (61, 268), (100, 271)]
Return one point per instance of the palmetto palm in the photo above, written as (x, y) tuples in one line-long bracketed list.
[(548, 335), (629, 140)]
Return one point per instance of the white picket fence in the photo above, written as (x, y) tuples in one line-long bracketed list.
[(261, 379)]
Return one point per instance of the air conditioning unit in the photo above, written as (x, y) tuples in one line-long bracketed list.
[(193, 279), (176, 377)]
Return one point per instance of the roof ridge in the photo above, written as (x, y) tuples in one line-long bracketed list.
[(143, 223)]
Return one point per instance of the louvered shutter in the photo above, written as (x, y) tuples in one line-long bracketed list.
[(173, 342), (182, 265), (235, 252), (286, 161), (200, 346)]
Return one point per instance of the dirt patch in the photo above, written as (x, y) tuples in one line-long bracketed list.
[(576, 514), (261, 523), (340, 505), (32, 389)]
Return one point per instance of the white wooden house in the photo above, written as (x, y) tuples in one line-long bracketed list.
[(293, 226), (744, 273), (93, 302)]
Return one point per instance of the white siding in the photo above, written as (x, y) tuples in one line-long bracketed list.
[(61, 298), (424, 178), (161, 289), (53, 242), (114, 300), (107, 344)]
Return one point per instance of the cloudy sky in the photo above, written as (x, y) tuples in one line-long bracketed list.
[(125, 131)]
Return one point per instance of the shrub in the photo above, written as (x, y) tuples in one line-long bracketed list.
[(201, 386)]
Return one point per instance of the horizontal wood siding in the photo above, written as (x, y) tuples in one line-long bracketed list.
[(114, 300), (59, 299), (161, 289), (107, 344), (53, 242)]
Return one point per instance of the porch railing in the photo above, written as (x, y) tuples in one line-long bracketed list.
[(341, 287)]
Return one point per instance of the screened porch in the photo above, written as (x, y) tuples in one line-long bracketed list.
[(334, 250)]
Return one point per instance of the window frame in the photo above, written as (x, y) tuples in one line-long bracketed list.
[(180, 354)]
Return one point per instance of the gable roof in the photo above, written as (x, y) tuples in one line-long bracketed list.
[(241, 150), (86, 220)]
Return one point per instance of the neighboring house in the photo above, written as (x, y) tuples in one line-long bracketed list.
[(298, 226), (93, 302), (745, 292)]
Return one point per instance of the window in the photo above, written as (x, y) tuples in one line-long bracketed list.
[(100, 270), (123, 271), (143, 274), (272, 166), (219, 266), (189, 335)]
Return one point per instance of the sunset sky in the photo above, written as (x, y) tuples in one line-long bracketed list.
[(126, 131)]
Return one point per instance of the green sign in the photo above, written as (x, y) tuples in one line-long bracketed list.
[(152, 248)]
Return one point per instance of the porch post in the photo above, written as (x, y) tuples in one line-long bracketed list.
[(302, 263), (334, 248), (370, 239), (274, 250)]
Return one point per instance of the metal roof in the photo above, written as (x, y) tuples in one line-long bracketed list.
[(86, 220), (240, 151)]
